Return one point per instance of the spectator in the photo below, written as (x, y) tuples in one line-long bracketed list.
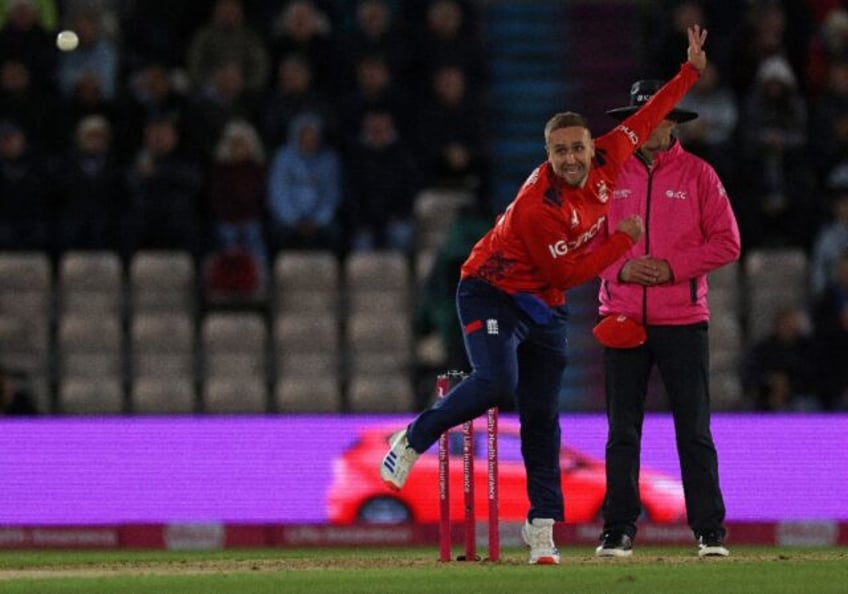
[(159, 31), (107, 11), (164, 184), (829, 44), (22, 38), (779, 178), (669, 39), (227, 39), (712, 136), (770, 29), (151, 94), (304, 189), (829, 121), (222, 99), (87, 99), (34, 110), (450, 133), (447, 38), (47, 11), (830, 319), (780, 370), (24, 192), (266, 15), (384, 181), (294, 93), (236, 191), (15, 398), (830, 243), (301, 28), (376, 32), (414, 17), (96, 56), (92, 199), (375, 89)]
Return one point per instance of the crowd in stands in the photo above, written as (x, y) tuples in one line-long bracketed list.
[(207, 125), (773, 121), (234, 130)]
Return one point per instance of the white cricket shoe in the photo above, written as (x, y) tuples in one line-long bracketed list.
[(539, 536), (398, 461)]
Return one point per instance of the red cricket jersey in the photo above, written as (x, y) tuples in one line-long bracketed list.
[(538, 245)]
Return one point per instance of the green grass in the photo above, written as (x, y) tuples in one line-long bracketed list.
[(410, 571)]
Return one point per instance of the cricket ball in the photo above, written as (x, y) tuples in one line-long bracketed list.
[(67, 41)]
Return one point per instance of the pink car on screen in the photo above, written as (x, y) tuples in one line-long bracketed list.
[(357, 495)]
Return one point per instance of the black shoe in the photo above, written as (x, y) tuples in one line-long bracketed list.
[(614, 544), (711, 544)]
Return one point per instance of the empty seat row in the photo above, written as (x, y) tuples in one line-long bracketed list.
[(167, 282), (110, 334), (390, 392)]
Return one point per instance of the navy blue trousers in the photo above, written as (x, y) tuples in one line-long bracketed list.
[(681, 355), (513, 359)]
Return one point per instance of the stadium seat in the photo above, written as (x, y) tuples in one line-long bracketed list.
[(377, 343), (25, 316), (307, 345), (775, 278), (162, 395), (25, 272), (163, 345), (25, 345), (379, 282), (385, 270), (435, 211), (234, 344), (235, 395), (728, 276), (306, 281), (380, 393), (307, 394), (89, 346), (101, 395), (91, 282), (163, 281)]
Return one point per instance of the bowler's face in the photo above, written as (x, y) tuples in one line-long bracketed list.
[(570, 152)]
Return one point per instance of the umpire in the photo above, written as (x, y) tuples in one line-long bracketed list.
[(654, 304)]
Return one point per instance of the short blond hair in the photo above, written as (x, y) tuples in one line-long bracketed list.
[(565, 119)]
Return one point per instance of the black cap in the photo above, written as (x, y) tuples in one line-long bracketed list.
[(640, 92)]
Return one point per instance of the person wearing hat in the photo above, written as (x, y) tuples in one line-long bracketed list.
[(653, 304), (512, 304)]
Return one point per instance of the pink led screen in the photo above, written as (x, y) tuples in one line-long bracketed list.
[(278, 469)]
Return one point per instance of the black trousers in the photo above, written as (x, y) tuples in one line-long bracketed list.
[(681, 354)]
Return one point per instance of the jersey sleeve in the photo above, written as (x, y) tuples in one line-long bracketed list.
[(623, 140)]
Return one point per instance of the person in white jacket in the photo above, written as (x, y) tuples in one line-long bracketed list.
[(660, 285)]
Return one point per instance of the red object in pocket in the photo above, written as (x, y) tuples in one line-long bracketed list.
[(617, 331)]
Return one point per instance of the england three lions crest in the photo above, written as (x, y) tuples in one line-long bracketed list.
[(603, 192)]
